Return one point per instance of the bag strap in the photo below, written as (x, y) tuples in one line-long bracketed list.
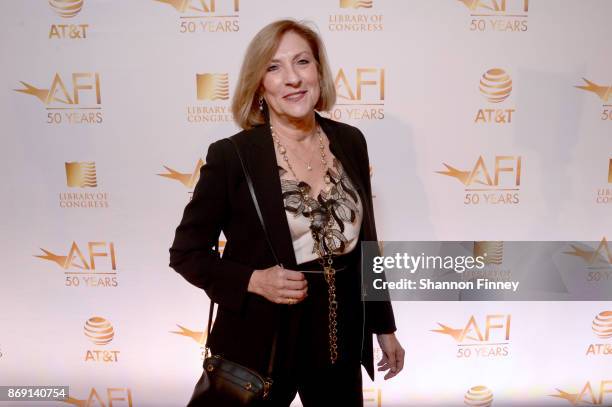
[(263, 225)]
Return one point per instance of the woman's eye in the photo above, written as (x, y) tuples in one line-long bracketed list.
[(272, 68), (303, 61)]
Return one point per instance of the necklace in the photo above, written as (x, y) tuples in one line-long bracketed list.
[(308, 165), (283, 151), (325, 259)]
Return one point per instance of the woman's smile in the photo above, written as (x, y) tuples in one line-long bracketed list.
[(295, 96)]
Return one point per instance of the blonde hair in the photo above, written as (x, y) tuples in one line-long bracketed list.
[(245, 103)]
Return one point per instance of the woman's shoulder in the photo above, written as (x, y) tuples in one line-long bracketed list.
[(242, 138), (346, 132), (338, 126)]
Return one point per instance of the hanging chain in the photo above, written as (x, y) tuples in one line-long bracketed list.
[(330, 277), (329, 271)]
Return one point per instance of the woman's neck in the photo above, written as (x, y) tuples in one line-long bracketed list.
[(297, 130)]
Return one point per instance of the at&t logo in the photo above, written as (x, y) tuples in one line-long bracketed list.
[(100, 332), (478, 396), (67, 9), (602, 328), (495, 86)]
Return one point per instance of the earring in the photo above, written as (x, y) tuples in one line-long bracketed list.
[(261, 101)]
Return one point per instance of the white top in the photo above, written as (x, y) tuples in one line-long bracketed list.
[(338, 199)]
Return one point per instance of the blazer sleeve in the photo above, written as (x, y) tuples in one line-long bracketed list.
[(379, 314), (192, 253)]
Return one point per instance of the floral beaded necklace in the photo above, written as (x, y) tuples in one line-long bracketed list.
[(319, 229)]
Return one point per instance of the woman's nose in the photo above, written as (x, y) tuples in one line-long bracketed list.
[(291, 76)]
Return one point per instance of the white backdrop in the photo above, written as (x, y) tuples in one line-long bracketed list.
[(115, 84)]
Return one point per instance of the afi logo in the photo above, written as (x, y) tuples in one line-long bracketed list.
[(500, 6), (480, 175), (104, 398), (76, 259), (67, 92), (198, 6), (591, 394), (187, 179), (198, 336), (473, 332), (603, 92), (600, 257), (368, 78)]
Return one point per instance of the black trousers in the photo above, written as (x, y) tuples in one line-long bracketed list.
[(303, 347), (333, 386)]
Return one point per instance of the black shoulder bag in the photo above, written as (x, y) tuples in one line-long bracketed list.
[(224, 382)]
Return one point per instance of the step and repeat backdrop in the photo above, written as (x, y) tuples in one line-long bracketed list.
[(485, 120)]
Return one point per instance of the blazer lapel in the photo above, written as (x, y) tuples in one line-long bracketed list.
[(350, 167), (261, 162)]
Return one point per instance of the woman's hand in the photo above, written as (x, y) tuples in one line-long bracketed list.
[(279, 285), (393, 355)]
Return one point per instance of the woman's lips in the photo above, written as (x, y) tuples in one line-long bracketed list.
[(296, 96)]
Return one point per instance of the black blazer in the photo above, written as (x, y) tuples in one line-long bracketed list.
[(245, 322)]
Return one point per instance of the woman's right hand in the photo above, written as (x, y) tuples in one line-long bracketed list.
[(279, 285)]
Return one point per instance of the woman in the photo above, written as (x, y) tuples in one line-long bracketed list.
[(311, 179)]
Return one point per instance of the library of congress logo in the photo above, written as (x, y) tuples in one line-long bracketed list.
[(356, 16), (603, 194), (212, 93), (82, 175)]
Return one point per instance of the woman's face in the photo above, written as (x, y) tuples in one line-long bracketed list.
[(291, 82)]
